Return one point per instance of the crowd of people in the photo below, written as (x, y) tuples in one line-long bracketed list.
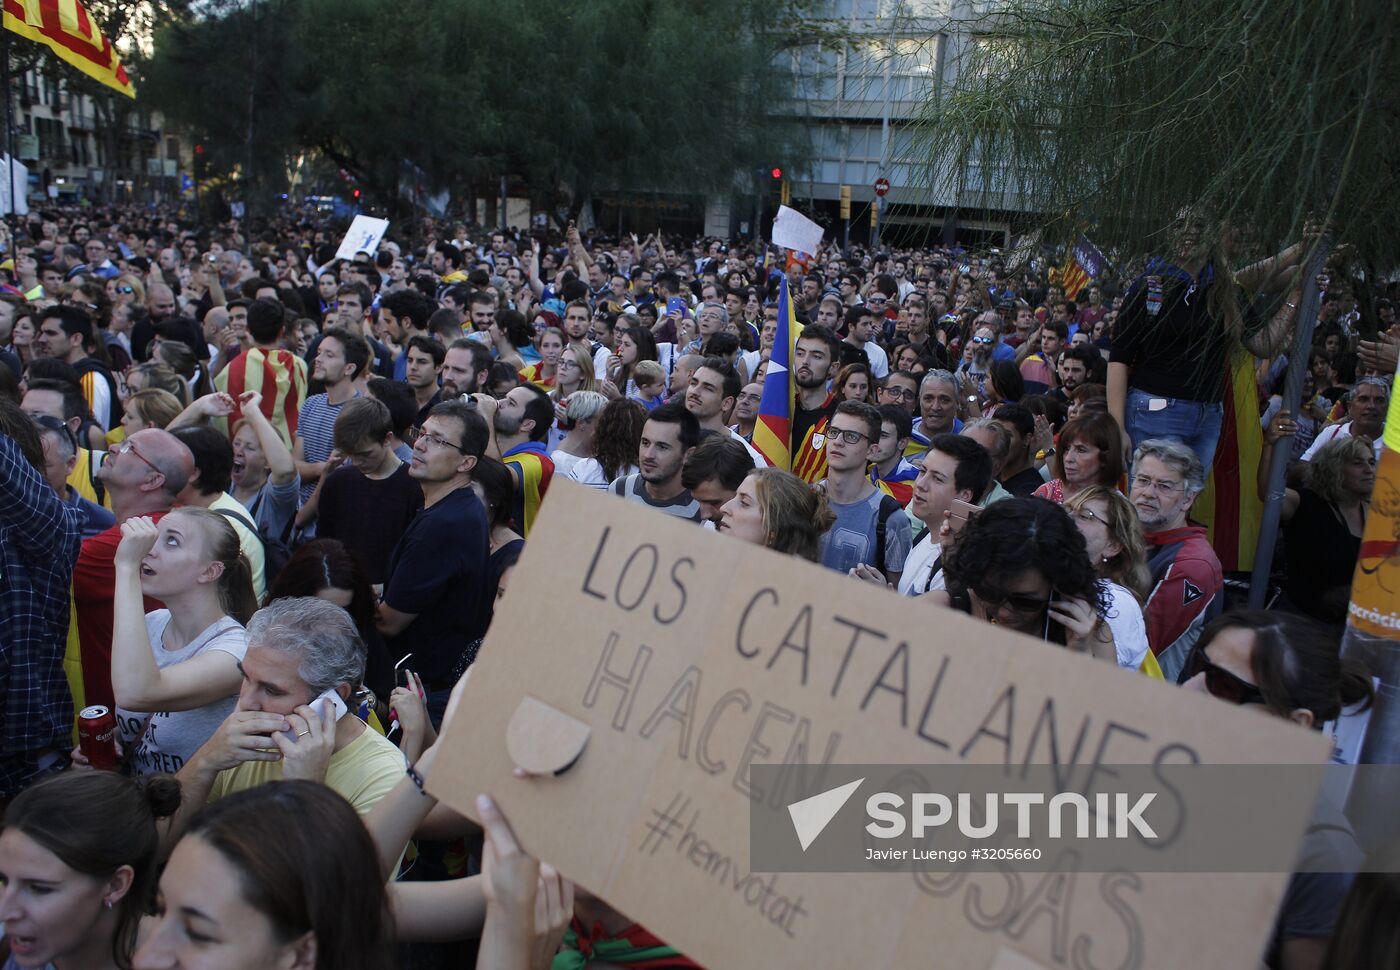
[(259, 503)]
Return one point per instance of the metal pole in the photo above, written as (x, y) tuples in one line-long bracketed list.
[(9, 124), (1303, 329), (504, 189)]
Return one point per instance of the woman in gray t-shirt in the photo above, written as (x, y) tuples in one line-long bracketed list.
[(176, 672)]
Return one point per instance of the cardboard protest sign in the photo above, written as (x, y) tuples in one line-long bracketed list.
[(655, 665), (363, 236), (792, 230)]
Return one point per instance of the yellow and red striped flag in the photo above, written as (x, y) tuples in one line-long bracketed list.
[(65, 28)]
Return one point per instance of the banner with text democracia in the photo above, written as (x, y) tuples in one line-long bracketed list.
[(640, 667)]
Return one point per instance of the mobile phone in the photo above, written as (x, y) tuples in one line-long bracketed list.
[(675, 305), (337, 705), (959, 512)]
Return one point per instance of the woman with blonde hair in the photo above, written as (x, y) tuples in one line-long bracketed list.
[(127, 290), (574, 372), (1113, 536), (150, 408), (776, 509), (157, 374)]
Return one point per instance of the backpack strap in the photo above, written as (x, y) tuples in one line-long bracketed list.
[(239, 518), (889, 505)]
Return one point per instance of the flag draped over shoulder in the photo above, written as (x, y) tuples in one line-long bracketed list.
[(1088, 264), (772, 434), (65, 28), (1230, 507)]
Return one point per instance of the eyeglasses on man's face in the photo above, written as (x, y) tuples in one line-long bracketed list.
[(1142, 483), (850, 437), (415, 435)]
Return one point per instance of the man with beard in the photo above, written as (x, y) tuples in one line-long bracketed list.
[(668, 438), (520, 424), (465, 368), (1074, 367), (816, 355)]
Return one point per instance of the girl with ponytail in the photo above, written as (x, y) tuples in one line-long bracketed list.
[(182, 661), (78, 868)]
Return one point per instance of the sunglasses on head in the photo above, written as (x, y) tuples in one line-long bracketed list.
[(1219, 681)]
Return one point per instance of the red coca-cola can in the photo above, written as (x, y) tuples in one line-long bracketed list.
[(97, 737)]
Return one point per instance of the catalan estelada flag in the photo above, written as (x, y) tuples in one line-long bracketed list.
[(1087, 264), (772, 434), (65, 28)]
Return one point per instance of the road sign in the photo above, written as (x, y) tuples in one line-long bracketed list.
[(882, 186)]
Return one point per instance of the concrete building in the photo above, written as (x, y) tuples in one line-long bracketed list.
[(74, 150), (856, 95)]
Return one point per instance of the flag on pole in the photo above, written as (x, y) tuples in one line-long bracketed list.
[(1087, 264), (65, 28), (772, 434)]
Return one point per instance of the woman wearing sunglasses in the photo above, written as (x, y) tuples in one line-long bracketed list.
[(1022, 563), (1288, 666)]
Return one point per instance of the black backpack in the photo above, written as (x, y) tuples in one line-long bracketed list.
[(276, 549)]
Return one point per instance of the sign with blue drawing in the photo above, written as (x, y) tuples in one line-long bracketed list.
[(364, 237)]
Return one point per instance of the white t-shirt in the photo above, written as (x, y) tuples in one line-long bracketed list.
[(879, 360), (751, 359), (563, 462), (588, 471), (165, 740), (920, 566), (600, 362), (1332, 433), (1129, 630)]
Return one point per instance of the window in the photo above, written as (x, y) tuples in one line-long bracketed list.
[(912, 71), (865, 72), (815, 73)]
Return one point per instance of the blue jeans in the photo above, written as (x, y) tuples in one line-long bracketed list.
[(1193, 423)]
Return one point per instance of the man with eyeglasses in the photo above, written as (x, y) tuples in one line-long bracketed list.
[(871, 534), (1187, 588), (432, 603)]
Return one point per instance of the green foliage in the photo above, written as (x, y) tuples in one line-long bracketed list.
[(1116, 114), (572, 97)]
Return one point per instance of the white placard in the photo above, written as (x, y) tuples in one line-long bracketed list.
[(792, 230), (363, 237)]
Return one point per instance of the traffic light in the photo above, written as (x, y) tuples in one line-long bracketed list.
[(356, 193), (776, 173)]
